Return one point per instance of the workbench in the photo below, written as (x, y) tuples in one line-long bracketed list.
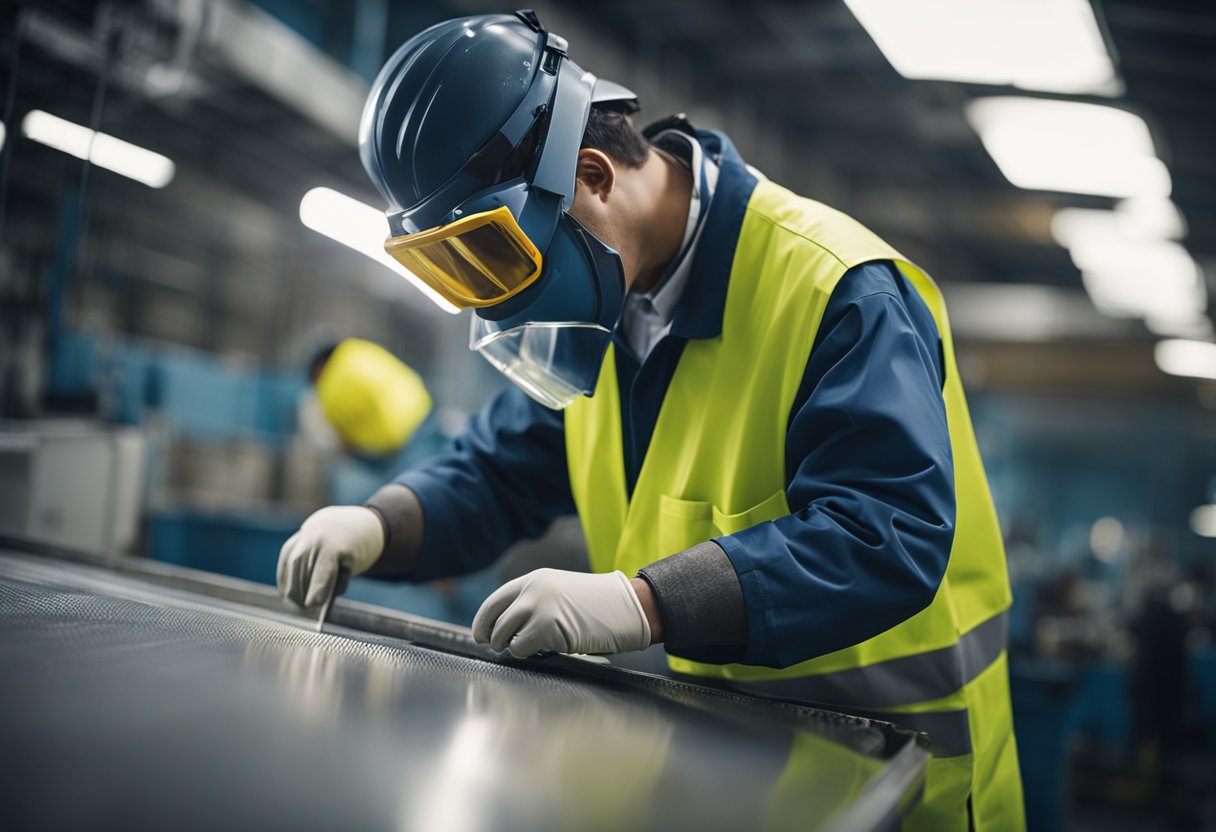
[(140, 695)]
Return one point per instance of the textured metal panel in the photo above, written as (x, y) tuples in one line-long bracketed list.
[(126, 705)]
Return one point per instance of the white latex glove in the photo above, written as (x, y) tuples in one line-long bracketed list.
[(565, 612), (329, 539)]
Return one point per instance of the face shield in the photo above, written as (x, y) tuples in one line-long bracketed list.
[(544, 321), (551, 340), (546, 293), (553, 362)]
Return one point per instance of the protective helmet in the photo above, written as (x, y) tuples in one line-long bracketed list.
[(374, 401), (471, 133)]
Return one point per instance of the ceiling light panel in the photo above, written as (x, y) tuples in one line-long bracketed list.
[(1048, 45)]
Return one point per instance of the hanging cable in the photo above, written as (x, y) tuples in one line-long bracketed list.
[(110, 52), (10, 106)]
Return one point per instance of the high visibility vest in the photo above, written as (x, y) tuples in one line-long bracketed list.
[(716, 465)]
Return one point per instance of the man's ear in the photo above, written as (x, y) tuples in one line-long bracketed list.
[(595, 172)]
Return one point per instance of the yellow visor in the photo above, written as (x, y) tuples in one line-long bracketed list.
[(478, 260)]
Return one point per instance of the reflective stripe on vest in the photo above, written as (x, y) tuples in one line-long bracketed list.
[(921, 677), (918, 678)]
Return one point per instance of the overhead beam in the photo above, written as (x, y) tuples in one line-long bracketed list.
[(272, 56)]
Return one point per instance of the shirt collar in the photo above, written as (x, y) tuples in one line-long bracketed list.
[(665, 297), (700, 308)]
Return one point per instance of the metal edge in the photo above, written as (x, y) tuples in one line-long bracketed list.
[(237, 590), (888, 796)]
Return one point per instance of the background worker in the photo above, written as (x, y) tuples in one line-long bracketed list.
[(750, 400), (379, 409), (383, 416)]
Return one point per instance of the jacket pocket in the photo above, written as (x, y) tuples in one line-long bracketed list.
[(770, 508), (683, 523)]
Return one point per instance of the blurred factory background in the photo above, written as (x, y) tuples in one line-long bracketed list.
[(1052, 162)]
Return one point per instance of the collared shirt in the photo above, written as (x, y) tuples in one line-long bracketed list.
[(647, 316), (869, 476)]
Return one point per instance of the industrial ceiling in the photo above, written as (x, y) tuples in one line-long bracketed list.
[(257, 103)]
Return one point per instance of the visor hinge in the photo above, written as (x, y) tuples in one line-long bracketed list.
[(555, 42), (530, 19)]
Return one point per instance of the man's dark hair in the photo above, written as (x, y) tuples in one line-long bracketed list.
[(608, 129), (613, 132)]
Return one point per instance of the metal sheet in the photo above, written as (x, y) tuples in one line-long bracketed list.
[(125, 704)]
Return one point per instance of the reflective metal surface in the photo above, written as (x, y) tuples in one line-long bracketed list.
[(128, 704)]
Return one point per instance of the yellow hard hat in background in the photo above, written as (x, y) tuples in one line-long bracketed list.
[(374, 401)]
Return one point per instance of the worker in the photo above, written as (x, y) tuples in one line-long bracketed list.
[(378, 409), (373, 401), (750, 400)]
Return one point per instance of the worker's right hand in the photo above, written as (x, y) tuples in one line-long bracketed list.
[(332, 538)]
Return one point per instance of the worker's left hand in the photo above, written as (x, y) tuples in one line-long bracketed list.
[(564, 612)]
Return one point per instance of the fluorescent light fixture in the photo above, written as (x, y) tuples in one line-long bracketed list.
[(1050, 45), (102, 149), (1140, 219), (1172, 305), (1025, 312), (1151, 217), (1158, 280), (1190, 359), (1099, 240), (1049, 145), (1085, 226), (1, 135), (361, 227), (1128, 272), (1203, 521)]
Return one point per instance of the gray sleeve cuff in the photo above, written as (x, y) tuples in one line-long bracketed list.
[(699, 597), (400, 512)]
